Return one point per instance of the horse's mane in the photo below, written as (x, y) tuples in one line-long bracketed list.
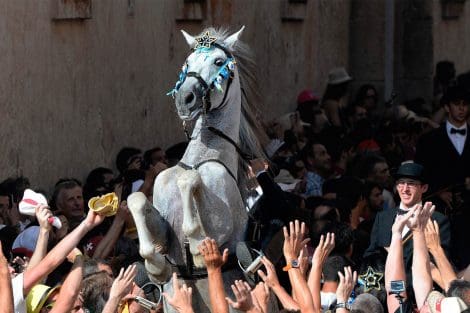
[(252, 135)]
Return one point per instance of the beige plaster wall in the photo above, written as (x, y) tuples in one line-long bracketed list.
[(73, 92), (452, 37)]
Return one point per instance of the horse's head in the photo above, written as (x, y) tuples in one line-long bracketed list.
[(206, 75)]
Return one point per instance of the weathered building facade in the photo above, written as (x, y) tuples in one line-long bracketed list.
[(82, 78)]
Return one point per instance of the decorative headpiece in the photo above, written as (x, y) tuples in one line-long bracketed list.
[(371, 279), (204, 41)]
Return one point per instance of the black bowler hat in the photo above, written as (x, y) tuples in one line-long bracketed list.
[(410, 170), (454, 94)]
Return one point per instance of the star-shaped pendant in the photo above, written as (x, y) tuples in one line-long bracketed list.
[(371, 280), (205, 41)]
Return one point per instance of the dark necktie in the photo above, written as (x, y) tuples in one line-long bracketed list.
[(458, 131), (401, 211)]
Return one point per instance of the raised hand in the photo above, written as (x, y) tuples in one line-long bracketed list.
[(420, 216), (431, 233), (400, 222), (244, 300), (122, 284), (294, 240), (346, 284), (324, 248), (260, 296), (212, 257), (93, 219), (43, 214), (182, 296), (270, 278)]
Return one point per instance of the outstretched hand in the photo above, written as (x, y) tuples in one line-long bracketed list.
[(244, 299), (42, 215), (122, 284), (324, 248), (346, 284), (93, 219), (400, 222), (294, 240), (270, 278), (182, 296), (431, 233), (212, 257), (420, 216)]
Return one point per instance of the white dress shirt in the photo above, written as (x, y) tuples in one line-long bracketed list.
[(457, 140)]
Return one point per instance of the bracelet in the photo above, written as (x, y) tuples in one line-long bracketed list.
[(343, 305)]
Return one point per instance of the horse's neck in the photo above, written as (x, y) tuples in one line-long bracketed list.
[(206, 145)]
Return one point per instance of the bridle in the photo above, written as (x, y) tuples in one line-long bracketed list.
[(225, 72)]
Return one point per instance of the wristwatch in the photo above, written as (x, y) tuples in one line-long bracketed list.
[(343, 305), (290, 265)]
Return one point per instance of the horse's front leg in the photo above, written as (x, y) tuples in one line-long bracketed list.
[(190, 186), (152, 230)]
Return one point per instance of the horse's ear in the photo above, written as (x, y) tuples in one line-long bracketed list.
[(233, 38), (189, 39)]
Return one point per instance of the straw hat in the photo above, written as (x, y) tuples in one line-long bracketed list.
[(338, 76)]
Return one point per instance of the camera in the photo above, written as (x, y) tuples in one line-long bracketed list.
[(397, 286)]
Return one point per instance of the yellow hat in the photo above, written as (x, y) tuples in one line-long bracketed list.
[(37, 297)]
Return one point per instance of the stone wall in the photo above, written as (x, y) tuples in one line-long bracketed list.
[(82, 78)]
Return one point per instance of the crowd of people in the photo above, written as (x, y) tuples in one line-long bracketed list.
[(359, 206)]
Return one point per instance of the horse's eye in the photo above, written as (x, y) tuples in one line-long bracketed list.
[(219, 62)]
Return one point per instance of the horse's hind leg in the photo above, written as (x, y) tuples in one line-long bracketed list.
[(151, 229)]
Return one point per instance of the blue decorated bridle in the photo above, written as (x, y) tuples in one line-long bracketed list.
[(226, 72)]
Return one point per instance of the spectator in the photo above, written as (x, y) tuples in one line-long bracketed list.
[(334, 99), (68, 198), (318, 164)]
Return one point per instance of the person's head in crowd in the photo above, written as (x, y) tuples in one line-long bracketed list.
[(410, 184), (367, 97), (68, 198), (436, 302), (460, 288), (325, 210), (443, 76), (175, 153), (344, 235), (95, 290), (155, 155), (307, 103), (456, 101), (463, 80), (98, 182), (374, 197), (129, 158), (355, 112), (41, 298), (93, 266), (16, 186), (348, 192), (330, 279), (375, 169), (338, 84), (316, 158), (5, 204), (366, 303)]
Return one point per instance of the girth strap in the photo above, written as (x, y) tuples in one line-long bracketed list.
[(195, 167)]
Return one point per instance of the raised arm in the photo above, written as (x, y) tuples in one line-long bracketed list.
[(122, 285), (58, 254), (345, 287), (107, 244), (42, 215), (421, 270), (324, 248), (293, 243), (70, 289), (271, 280), (214, 262), (443, 265), (394, 265), (6, 294)]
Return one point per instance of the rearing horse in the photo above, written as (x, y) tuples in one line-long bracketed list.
[(200, 197)]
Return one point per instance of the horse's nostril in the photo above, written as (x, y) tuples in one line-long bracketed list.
[(189, 98)]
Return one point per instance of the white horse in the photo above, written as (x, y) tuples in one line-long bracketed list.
[(200, 197)]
